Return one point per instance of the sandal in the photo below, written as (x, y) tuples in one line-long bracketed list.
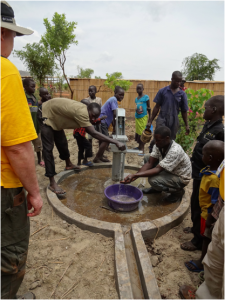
[(188, 246), (72, 168), (187, 292), (187, 230), (196, 269), (89, 164), (57, 193)]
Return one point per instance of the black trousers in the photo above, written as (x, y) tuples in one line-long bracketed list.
[(196, 214), (50, 137), (84, 146)]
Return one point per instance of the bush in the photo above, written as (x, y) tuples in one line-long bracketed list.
[(196, 100)]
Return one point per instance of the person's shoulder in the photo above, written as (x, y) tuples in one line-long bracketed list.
[(177, 147), (164, 89), (8, 68), (146, 97)]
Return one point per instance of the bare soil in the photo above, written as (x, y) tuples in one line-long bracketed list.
[(64, 258)]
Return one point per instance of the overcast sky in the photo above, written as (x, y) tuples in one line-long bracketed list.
[(143, 40)]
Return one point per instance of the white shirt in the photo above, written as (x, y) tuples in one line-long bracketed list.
[(176, 161)]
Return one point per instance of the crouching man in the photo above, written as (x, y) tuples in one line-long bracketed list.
[(168, 168)]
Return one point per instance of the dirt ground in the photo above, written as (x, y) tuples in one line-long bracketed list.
[(63, 258)]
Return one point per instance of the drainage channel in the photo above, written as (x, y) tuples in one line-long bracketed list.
[(132, 265)]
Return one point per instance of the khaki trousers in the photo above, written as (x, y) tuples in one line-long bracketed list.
[(213, 286)]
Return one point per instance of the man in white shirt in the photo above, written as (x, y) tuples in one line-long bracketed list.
[(168, 168)]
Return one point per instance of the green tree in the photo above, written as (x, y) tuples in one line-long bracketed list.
[(39, 61), (58, 38), (114, 79), (98, 77), (199, 67), (84, 73)]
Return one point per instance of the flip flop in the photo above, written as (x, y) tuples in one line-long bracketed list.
[(73, 168), (136, 148), (54, 191), (197, 270), (89, 164), (141, 154)]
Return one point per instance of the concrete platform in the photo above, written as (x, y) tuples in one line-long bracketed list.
[(138, 232)]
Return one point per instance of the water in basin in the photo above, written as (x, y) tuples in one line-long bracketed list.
[(85, 195)]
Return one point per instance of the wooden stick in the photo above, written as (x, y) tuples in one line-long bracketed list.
[(55, 262), (39, 229), (61, 279), (70, 289), (101, 263)]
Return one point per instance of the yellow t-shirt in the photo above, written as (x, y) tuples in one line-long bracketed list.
[(16, 123), (222, 184)]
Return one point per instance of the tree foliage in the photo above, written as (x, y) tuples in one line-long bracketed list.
[(84, 73), (39, 61), (196, 100), (58, 38), (114, 79), (199, 67)]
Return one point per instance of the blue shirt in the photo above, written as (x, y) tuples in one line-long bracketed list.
[(171, 103), (141, 104), (107, 110)]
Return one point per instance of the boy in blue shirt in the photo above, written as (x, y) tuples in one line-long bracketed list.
[(109, 110)]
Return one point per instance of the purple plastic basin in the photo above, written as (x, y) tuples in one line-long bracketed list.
[(123, 189)]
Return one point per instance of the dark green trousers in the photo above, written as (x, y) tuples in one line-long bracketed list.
[(15, 232)]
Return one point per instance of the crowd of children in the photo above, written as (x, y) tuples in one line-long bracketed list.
[(208, 154)]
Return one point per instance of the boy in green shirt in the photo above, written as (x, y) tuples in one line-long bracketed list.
[(29, 87)]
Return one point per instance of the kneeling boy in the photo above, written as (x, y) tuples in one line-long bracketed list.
[(173, 171)]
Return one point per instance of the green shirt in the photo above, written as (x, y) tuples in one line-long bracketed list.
[(33, 105)]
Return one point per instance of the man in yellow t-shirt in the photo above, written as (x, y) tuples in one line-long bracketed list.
[(17, 130)]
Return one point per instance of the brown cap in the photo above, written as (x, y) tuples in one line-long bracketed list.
[(8, 21)]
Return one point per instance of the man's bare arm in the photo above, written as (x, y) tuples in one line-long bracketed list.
[(149, 165), (154, 113), (184, 116), (101, 137), (21, 158)]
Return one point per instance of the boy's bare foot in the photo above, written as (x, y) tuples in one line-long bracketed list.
[(42, 164), (104, 159)]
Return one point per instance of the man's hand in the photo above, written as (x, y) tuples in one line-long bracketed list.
[(187, 130), (148, 125), (103, 117), (120, 146), (35, 203), (129, 178)]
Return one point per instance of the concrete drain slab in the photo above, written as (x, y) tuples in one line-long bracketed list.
[(138, 232)]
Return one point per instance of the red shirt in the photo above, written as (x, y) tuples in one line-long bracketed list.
[(82, 130), (183, 88)]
